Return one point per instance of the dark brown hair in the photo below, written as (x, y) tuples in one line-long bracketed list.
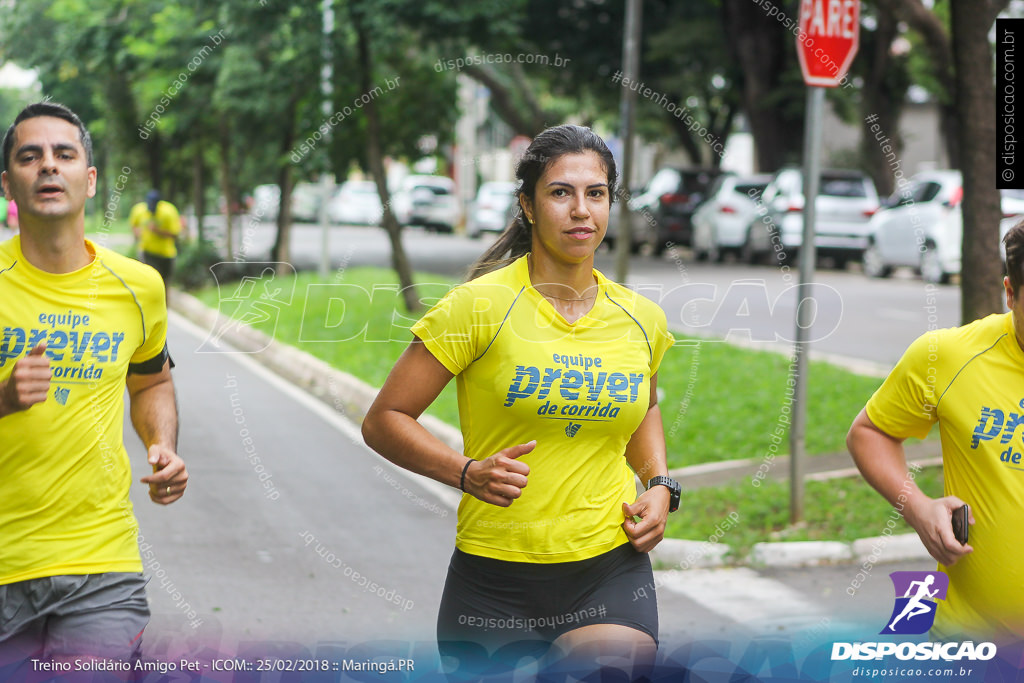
[(546, 148), (1014, 241), (55, 110)]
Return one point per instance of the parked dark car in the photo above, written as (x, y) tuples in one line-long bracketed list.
[(663, 210)]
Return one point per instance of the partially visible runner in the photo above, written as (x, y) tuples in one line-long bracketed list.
[(156, 225), (12, 215), (80, 323), (556, 370), (969, 380)]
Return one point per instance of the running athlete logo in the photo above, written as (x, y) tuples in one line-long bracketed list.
[(255, 301), (916, 592)]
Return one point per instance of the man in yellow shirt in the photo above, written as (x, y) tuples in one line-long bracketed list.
[(156, 225), (78, 324), (970, 380)]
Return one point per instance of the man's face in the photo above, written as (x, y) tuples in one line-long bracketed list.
[(48, 174)]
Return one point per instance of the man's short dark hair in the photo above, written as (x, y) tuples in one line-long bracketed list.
[(55, 110), (1014, 242)]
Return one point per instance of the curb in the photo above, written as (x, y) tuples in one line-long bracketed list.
[(352, 398)]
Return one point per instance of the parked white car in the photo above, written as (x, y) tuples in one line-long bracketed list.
[(921, 227), (305, 202), (427, 200), (266, 202), (720, 223), (356, 202), (493, 208), (846, 201)]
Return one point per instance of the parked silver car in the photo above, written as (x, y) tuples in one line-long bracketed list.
[(427, 200), (305, 202), (356, 202), (493, 208)]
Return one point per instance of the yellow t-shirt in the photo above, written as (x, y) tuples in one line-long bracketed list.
[(581, 390), (971, 380), (64, 472), (167, 219)]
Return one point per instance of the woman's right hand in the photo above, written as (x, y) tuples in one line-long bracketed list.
[(501, 478)]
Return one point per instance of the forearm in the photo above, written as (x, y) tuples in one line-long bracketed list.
[(154, 414), (646, 452), (881, 460), (405, 442)]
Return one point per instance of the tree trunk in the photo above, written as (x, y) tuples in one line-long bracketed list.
[(399, 260), (981, 278), (282, 241), (720, 131), (225, 184), (686, 141), (937, 42), (527, 123), (700, 151), (881, 107), (154, 157), (758, 45), (199, 191)]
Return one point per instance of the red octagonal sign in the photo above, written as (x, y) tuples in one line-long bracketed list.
[(828, 39)]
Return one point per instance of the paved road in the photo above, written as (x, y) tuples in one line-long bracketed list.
[(270, 554), (857, 317), (280, 563)]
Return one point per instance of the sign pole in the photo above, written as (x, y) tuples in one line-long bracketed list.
[(826, 45), (805, 311), (631, 70)]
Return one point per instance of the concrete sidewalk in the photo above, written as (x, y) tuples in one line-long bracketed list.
[(352, 397)]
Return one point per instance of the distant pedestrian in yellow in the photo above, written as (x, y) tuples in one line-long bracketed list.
[(156, 225)]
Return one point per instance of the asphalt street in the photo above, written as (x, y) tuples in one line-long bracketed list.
[(291, 529), (855, 317)]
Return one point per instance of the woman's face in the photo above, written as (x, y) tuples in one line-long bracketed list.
[(569, 209)]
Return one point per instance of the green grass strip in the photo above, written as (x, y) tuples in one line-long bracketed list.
[(718, 402)]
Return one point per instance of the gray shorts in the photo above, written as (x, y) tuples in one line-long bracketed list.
[(56, 617)]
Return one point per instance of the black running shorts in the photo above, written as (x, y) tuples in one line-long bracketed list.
[(495, 603)]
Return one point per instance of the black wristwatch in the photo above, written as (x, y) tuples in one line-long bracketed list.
[(673, 486)]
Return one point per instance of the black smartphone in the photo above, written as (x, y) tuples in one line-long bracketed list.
[(961, 524)]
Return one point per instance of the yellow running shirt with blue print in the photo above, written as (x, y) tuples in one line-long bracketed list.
[(64, 505), (168, 220), (581, 390), (971, 381)]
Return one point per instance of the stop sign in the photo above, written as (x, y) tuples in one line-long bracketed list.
[(828, 39)]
